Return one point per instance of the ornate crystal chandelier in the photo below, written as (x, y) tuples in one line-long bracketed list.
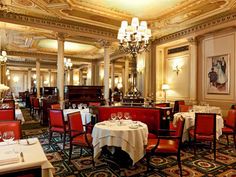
[(68, 63), (134, 38), (3, 56)]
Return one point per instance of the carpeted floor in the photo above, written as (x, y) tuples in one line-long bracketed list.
[(200, 165)]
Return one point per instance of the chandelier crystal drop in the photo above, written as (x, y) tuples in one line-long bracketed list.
[(134, 38), (3, 56)]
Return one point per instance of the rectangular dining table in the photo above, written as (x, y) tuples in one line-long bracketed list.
[(23, 155)]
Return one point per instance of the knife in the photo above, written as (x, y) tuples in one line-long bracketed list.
[(22, 157)]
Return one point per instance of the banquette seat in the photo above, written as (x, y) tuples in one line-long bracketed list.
[(150, 116)]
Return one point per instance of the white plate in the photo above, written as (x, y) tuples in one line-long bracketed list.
[(29, 141), (133, 126)]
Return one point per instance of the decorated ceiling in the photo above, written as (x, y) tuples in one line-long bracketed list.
[(32, 25)]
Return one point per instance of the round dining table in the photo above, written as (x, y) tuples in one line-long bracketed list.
[(130, 136)]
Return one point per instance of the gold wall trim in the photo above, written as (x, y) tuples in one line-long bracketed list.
[(196, 28), (57, 26)]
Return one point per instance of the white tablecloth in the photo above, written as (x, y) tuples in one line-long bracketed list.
[(33, 157), (19, 115), (190, 121), (207, 109), (129, 139), (85, 115)]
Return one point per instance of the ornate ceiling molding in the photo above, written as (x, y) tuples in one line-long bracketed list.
[(59, 26), (195, 29), (52, 57)]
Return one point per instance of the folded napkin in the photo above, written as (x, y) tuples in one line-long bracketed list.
[(8, 159)]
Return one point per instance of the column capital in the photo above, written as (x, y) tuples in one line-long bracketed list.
[(192, 40), (104, 43), (60, 36)]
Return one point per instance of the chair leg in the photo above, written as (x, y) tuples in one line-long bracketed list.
[(64, 140), (234, 140), (194, 147), (227, 137), (70, 152), (50, 137), (179, 164), (148, 157), (214, 144)]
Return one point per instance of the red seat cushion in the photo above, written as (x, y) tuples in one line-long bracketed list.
[(227, 130), (80, 140), (200, 137), (151, 136)]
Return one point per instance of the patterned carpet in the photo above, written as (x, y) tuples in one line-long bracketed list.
[(200, 165)]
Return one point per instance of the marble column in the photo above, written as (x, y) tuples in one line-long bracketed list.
[(38, 79), (71, 76), (60, 68), (106, 45), (126, 78), (81, 77), (29, 79), (193, 68), (49, 77), (112, 75)]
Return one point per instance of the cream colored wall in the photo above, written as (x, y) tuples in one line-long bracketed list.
[(219, 43), (17, 82), (179, 83)]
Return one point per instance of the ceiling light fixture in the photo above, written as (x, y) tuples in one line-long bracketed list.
[(67, 62), (3, 56), (134, 39)]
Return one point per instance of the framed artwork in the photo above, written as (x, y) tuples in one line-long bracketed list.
[(218, 74)]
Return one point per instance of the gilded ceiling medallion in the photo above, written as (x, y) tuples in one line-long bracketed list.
[(26, 3)]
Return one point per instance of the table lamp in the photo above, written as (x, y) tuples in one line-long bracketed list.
[(165, 87)]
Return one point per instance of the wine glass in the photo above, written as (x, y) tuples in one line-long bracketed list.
[(8, 137), (113, 116), (119, 115), (126, 115), (73, 106)]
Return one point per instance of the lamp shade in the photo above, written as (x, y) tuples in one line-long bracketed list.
[(165, 87)]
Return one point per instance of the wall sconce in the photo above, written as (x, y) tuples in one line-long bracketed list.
[(177, 69), (165, 87), (15, 79), (177, 65)]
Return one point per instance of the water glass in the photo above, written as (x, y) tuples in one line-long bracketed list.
[(8, 137)]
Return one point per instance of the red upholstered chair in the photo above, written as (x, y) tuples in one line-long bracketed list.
[(78, 136), (36, 106), (7, 114), (177, 104), (167, 145), (55, 106), (230, 125), (204, 130), (14, 126), (57, 124), (184, 108)]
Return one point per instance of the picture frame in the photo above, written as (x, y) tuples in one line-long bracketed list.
[(218, 78)]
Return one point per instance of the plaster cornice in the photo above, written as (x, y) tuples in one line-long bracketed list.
[(58, 26), (44, 56), (196, 29)]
